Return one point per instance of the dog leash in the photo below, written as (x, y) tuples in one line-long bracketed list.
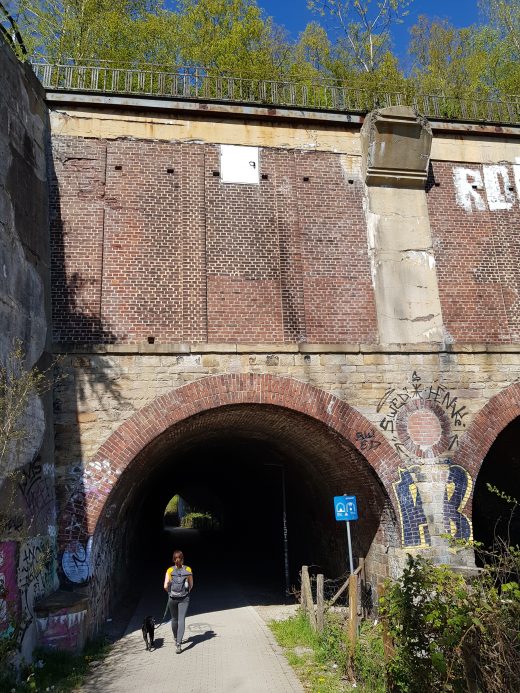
[(165, 612)]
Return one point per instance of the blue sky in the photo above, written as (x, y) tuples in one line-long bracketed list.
[(294, 15)]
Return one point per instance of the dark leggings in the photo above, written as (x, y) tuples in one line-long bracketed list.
[(178, 609)]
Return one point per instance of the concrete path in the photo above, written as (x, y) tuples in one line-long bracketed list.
[(227, 648)]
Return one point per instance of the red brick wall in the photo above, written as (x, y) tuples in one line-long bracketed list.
[(148, 242), (478, 263)]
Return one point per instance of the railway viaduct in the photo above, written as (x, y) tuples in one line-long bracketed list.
[(242, 295)]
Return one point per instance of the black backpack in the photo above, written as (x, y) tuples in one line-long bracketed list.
[(179, 586)]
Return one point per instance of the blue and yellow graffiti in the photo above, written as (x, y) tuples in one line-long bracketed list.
[(414, 527), (456, 494)]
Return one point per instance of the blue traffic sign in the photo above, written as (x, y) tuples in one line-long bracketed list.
[(345, 508)]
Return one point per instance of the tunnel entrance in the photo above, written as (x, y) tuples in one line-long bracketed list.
[(494, 517), (268, 474)]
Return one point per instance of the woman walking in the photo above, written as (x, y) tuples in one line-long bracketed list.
[(178, 582)]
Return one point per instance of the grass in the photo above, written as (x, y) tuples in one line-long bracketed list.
[(59, 672), (321, 659)]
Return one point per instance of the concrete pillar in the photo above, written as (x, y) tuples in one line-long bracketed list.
[(396, 145)]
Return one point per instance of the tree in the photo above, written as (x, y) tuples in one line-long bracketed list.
[(61, 30), (231, 36), (364, 26), (503, 47), (505, 15), (313, 53), (447, 59)]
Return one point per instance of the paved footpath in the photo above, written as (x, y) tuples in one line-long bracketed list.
[(227, 648)]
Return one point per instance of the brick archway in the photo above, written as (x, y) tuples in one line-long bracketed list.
[(486, 426), (209, 393)]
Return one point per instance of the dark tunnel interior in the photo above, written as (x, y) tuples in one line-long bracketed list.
[(244, 463), (493, 516)]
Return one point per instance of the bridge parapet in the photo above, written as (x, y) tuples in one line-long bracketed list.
[(329, 95)]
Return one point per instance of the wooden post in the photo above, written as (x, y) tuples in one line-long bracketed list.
[(307, 601), (320, 606), (361, 583), (388, 645)]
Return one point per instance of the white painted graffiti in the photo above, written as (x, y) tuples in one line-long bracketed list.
[(75, 561), (490, 189)]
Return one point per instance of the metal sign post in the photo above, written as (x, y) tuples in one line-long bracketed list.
[(345, 508)]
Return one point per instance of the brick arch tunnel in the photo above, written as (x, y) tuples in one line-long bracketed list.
[(489, 456), (230, 457)]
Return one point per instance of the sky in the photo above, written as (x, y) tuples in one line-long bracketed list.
[(294, 15)]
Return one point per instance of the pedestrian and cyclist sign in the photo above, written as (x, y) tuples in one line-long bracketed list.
[(345, 507)]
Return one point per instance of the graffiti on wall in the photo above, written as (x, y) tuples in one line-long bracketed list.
[(456, 495), (63, 630), (75, 561), (36, 568), (9, 594), (490, 188), (414, 525), (37, 487), (422, 421), (84, 486), (366, 440)]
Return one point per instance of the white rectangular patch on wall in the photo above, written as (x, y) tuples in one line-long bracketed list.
[(239, 164)]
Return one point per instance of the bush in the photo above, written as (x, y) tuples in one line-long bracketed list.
[(454, 635), (322, 659), (199, 521), (171, 512)]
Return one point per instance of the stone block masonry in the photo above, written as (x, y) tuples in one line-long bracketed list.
[(27, 494)]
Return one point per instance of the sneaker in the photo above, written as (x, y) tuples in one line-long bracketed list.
[(178, 650)]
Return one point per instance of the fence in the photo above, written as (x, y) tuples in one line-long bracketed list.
[(316, 611), (199, 84)]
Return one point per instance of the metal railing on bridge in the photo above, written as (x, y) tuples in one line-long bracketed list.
[(200, 84)]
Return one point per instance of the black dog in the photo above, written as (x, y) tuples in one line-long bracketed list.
[(148, 631)]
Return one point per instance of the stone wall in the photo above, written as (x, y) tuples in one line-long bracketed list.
[(413, 417), (27, 498)]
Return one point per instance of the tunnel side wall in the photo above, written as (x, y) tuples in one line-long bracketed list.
[(27, 496)]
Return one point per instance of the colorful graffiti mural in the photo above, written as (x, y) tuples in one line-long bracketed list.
[(456, 495), (414, 526)]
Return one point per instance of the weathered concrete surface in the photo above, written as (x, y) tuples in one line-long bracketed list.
[(27, 498), (396, 147), (24, 241)]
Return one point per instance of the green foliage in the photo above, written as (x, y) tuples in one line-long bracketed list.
[(236, 38), (321, 659), (427, 614), (368, 658), (295, 632), (171, 512), (17, 386), (196, 520), (454, 635), (57, 671)]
